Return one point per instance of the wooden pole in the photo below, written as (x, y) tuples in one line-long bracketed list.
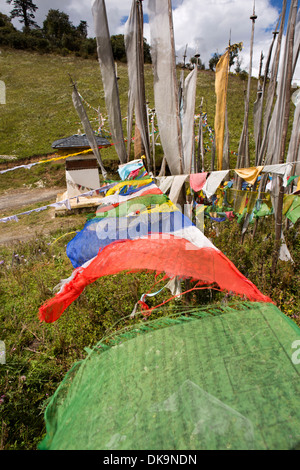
[(141, 77), (77, 101), (213, 154), (272, 87), (278, 215), (245, 137), (200, 150), (226, 154), (175, 83), (153, 142), (244, 158)]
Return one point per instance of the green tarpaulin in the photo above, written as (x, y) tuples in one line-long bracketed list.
[(215, 378)]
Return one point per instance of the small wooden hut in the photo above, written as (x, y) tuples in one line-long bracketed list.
[(82, 170)]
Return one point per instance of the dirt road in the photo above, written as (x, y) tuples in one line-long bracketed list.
[(17, 198), (13, 202)]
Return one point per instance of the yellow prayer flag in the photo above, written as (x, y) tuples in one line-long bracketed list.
[(138, 183), (139, 149), (165, 207), (287, 202), (249, 174), (240, 201), (221, 84)]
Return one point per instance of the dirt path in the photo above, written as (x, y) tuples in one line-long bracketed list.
[(13, 202), (14, 199)]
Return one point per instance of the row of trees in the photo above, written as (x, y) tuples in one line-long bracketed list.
[(57, 35)]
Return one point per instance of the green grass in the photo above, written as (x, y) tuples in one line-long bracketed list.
[(39, 108), (49, 175)]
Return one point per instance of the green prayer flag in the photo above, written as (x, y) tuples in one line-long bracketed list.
[(293, 213)]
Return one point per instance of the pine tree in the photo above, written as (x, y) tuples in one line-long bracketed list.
[(23, 9)]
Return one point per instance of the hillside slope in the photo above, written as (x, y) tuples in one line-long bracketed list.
[(39, 106)]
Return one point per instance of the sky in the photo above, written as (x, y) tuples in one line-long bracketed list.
[(204, 25)]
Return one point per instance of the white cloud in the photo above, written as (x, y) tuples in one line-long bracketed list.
[(207, 25), (204, 25)]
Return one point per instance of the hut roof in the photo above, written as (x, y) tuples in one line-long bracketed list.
[(78, 141)]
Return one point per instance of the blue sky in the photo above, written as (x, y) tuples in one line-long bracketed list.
[(278, 4)]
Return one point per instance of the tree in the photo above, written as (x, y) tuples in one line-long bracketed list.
[(147, 53), (214, 60), (63, 35), (56, 25), (5, 21), (119, 50), (23, 9), (201, 65), (233, 54), (234, 50), (118, 47), (238, 65), (82, 29)]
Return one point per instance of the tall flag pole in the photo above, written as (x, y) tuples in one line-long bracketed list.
[(165, 83), (243, 152), (109, 79), (78, 105), (134, 44), (284, 98), (267, 132)]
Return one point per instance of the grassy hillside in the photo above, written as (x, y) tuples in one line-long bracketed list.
[(39, 106)]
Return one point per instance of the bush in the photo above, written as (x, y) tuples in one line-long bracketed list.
[(6, 22), (17, 40), (243, 75)]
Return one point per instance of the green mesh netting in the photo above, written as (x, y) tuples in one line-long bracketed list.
[(213, 379)]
